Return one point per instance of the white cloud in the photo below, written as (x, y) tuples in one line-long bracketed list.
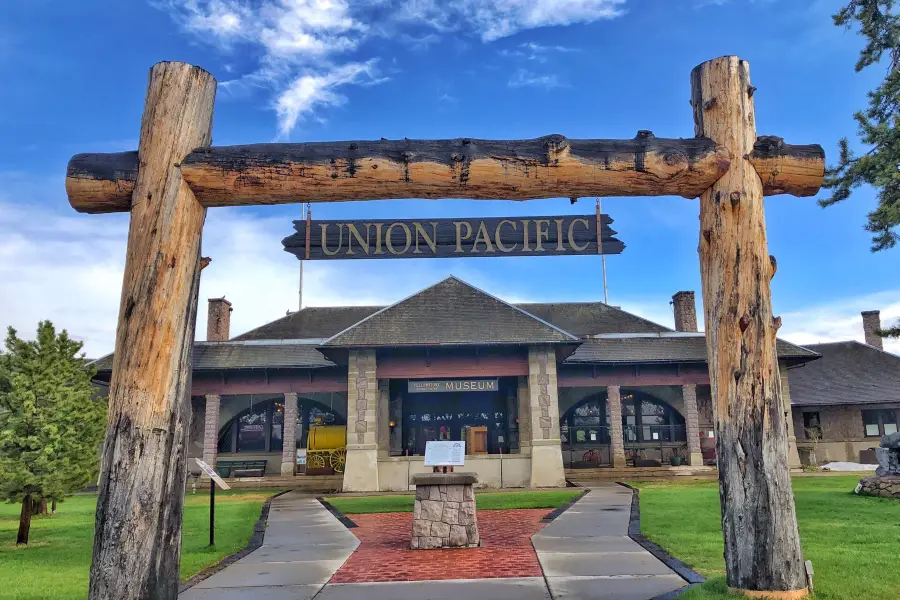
[(304, 43), (526, 78), (312, 91), (535, 52)]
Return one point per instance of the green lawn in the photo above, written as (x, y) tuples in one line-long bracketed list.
[(56, 562), (485, 501), (852, 540)]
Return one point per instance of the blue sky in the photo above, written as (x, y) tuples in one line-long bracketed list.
[(74, 75)]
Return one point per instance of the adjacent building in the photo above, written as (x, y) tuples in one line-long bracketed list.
[(535, 390)]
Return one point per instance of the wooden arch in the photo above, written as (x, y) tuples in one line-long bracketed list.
[(175, 175)]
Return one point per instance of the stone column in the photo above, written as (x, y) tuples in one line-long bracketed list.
[(361, 469), (692, 424), (793, 454), (524, 415), (289, 439), (383, 415), (614, 398), (546, 453), (211, 430)]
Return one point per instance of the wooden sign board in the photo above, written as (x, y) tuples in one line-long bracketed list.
[(212, 474), (445, 454), (450, 238), (452, 385)]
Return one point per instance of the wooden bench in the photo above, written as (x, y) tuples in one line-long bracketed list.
[(241, 468)]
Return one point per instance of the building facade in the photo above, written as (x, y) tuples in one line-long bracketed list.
[(534, 389)]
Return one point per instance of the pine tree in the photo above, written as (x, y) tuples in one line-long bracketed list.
[(51, 424), (879, 125)]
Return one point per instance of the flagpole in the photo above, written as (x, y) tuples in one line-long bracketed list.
[(602, 258)]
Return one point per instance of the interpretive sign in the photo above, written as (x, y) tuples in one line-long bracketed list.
[(445, 454), (449, 238), (452, 385), (212, 474)]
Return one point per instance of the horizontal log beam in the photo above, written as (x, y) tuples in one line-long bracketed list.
[(548, 167)]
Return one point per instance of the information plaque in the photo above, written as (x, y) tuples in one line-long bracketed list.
[(445, 454)]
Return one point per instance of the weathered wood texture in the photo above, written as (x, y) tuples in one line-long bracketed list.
[(548, 167), (762, 544), (453, 238), (137, 541)]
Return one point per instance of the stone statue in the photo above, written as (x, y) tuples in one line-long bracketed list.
[(886, 482)]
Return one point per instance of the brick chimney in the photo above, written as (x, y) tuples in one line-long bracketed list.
[(218, 321), (685, 311), (871, 326)]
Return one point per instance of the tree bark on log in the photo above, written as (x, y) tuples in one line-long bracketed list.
[(548, 167), (24, 521), (137, 540), (762, 543)]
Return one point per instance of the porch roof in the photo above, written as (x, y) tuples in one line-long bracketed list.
[(274, 354), (665, 347)]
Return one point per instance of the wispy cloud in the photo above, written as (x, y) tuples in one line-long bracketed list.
[(526, 78), (535, 52), (304, 44)]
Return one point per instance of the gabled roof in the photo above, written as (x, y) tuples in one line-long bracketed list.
[(310, 322), (848, 373), (450, 312), (665, 347)]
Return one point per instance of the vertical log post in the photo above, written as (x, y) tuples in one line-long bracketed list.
[(762, 545), (137, 537)]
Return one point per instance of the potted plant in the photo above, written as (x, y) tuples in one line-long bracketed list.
[(678, 455)]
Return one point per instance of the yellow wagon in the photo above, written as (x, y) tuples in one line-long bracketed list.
[(326, 448)]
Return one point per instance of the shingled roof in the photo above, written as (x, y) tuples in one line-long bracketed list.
[(666, 347), (848, 373), (450, 312), (211, 356), (578, 318)]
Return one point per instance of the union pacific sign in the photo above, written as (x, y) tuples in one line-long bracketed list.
[(449, 238)]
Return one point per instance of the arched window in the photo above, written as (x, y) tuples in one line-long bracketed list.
[(260, 428), (645, 419)]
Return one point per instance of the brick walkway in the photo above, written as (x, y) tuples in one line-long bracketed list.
[(383, 554)]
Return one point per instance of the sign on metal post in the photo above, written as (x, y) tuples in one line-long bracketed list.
[(454, 238), (445, 454), (212, 474)]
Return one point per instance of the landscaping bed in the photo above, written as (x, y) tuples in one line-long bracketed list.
[(356, 505), (56, 563), (851, 540)]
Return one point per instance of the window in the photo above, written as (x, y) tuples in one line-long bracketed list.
[(880, 422), (812, 425), (251, 435)]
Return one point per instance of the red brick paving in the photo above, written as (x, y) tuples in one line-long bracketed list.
[(384, 554)]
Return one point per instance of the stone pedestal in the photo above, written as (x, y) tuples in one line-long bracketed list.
[(886, 486), (444, 513), (886, 482)]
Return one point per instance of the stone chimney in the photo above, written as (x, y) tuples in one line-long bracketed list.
[(871, 327), (685, 311), (218, 321)]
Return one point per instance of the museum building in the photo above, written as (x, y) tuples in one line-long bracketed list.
[(535, 390)]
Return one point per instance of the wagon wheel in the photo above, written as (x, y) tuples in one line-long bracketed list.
[(316, 461), (338, 457)]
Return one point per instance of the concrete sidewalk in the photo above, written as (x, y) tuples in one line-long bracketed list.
[(304, 546), (586, 552)]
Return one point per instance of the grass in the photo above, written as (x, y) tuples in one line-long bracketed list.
[(851, 540), (56, 562), (486, 501)]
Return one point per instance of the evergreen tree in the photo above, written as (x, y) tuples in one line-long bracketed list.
[(879, 125), (51, 423)]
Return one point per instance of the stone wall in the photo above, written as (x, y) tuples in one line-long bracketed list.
[(444, 517)]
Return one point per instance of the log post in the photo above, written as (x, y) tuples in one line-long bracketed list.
[(762, 545), (137, 537)]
